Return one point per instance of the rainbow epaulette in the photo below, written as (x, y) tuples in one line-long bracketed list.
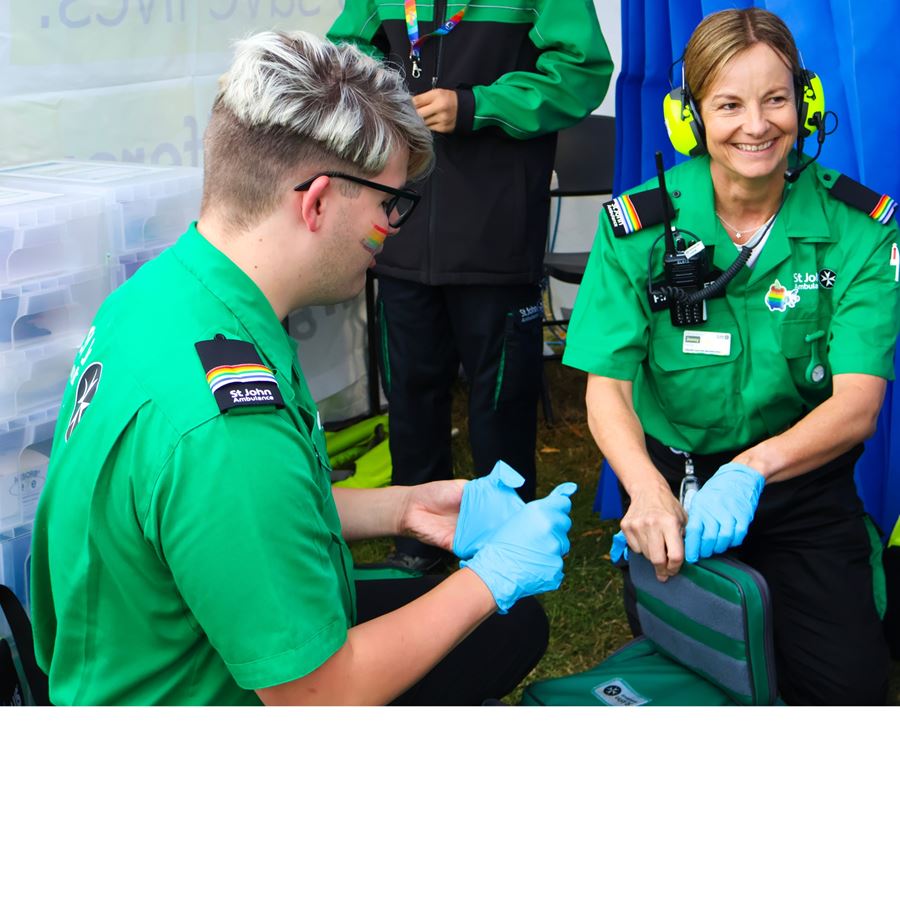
[(236, 375), (629, 213), (879, 207)]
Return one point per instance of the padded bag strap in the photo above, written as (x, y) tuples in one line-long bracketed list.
[(24, 639), (715, 618)]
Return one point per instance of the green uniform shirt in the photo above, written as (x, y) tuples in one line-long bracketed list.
[(820, 300), (182, 555)]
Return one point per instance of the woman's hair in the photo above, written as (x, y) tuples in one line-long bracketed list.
[(292, 101), (722, 35)]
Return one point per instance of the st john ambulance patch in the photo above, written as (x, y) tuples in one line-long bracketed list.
[(236, 375)]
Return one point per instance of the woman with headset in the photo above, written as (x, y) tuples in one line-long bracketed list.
[(736, 366)]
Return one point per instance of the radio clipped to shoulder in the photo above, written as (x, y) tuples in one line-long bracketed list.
[(686, 270)]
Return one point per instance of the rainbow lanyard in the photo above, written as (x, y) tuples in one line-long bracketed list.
[(412, 29)]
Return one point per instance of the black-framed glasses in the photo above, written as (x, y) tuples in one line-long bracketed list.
[(399, 208)]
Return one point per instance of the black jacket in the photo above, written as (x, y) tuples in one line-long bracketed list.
[(521, 72)]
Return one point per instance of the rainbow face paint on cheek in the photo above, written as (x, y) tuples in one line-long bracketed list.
[(375, 238)]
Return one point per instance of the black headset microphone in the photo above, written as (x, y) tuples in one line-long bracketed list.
[(817, 120)]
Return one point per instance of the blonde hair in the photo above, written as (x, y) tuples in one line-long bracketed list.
[(294, 101), (722, 35)]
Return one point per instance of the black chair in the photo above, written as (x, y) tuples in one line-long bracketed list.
[(584, 162), (585, 157), (18, 636)]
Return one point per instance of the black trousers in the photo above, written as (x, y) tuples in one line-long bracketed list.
[(496, 333), (810, 542), (488, 664)]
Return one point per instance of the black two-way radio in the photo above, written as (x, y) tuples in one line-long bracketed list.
[(685, 288), (685, 268)]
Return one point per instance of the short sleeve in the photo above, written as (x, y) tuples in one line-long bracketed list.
[(867, 317), (609, 332), (241, 518)]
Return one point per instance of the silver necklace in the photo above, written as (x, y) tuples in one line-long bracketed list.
[(743, 231)]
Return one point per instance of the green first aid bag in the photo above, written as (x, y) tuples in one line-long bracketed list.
[(707, 642)]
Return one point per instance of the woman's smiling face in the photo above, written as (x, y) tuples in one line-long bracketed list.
[(750, 115)]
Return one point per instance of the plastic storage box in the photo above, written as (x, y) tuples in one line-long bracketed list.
[(34, 378), (147, 205), (34, 312), (128, 263), (49, 232), (24, 454), (15, 564)]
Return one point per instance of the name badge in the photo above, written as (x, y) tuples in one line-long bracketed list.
[(709, 343)]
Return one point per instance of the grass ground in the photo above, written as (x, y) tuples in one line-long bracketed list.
[(586, 618)]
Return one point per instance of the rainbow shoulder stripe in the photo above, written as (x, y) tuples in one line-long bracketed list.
[(879, 207), (239, 374), (629, 213), (884, 209)]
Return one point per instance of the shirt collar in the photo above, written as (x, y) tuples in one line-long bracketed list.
[(801, 218), (241, 295)]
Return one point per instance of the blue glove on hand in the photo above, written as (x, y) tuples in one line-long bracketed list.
[(487, 503), (722, 511), (524, 556), (619, 547)]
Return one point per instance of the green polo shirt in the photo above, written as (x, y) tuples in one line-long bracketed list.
[(820, 300), (183, 555)]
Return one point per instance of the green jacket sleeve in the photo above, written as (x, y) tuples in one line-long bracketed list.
[(357, 24), (573, 73)]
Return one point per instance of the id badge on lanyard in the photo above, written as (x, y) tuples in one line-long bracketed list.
[(412, 29)]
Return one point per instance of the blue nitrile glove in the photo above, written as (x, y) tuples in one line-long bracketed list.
[(721, 511), (619, 547), (524, 556), (487, 503)]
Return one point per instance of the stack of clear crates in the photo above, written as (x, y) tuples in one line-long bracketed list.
[(148, 207), (70, 232)]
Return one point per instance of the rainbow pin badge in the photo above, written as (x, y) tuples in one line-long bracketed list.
[(779, 298)]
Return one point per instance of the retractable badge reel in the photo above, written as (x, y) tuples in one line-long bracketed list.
[(690, 484)]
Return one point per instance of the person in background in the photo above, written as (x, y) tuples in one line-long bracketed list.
[(188, 546), (494, 84), (762, 395)]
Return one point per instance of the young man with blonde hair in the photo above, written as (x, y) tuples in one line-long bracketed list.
[(188, 546)]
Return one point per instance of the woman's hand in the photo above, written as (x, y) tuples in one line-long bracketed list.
[(654, 525), (655, 519)]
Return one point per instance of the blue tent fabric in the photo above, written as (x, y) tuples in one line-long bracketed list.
[(849, 45)]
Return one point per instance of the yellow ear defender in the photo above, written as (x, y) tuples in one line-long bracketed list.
[(683, 123), (810, 103), (685, 127)]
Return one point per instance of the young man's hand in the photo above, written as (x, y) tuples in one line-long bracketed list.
[(487, 503), (525, 556), (431, 510)]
